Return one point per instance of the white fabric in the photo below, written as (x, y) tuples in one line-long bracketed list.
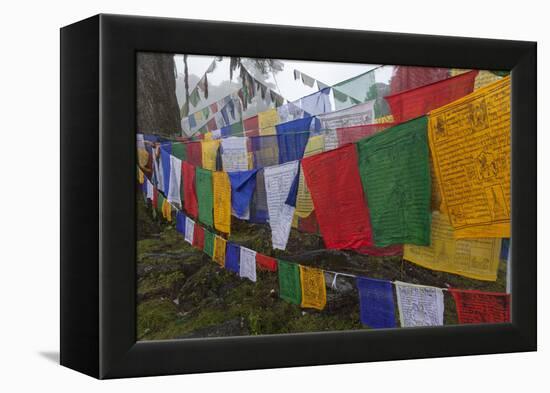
[(234, 154), (157, 162), (189, 230), (248, 264), (216, 134), (278, 180), (149, 189), (175, 181), (140, 142), (419, 305)]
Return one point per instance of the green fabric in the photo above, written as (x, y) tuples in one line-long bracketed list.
[(289, 282), (357, 87), (160, 202), (195, 97), (208, 243), (237, 128), (206, 112), (395, 172), (179, 150), (501, 73), (203, 184)]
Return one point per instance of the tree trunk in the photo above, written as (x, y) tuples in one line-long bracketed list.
[(157, 105)]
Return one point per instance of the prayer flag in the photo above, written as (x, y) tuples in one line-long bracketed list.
[(481, 307), (179, 150), (419, 305), (203, 179), (304, 204), (410, 77), (314, 293), (198, 237), (266, 263), (395, 172), (209, 243), (292, 139), (247, 267), (209, 153), (194, 153), (474, 180), (234, 154), (258, 207), (180, 222), (165, 155), (175, 181), (289, 282), (189, 230), (189, 189), (267, 121), (232, 257), (219, 250), (376, 303), (243, 185), (353, 134), (222, 201), (335, 186)]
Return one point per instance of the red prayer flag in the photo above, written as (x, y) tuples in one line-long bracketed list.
[(353, 134), (417, 102), (337, 194), (308, 224), (251, 123), (198, 236), (214, 107), (266, 263), (211, 125), (407, 77), (194, 153), (155, 197), (395, 249), (189, 190), (481, 307)]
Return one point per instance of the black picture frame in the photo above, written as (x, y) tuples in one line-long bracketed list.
[(98, 215)]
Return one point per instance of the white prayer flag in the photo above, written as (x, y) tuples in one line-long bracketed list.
[(175, 181), (149, 189), (189, 230), (278, 180), (248, 264), (419, 305), (234, 154)]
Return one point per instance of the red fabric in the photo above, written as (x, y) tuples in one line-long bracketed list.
[(251, 123), (194, 153), (353, 134), (337, 194), (198, 236), (189, 190), (481, 307), (396, 249), (155, 197), (211, 125), (308, 224), (214, 107), (407, 77), (266, 263), (417, 102)]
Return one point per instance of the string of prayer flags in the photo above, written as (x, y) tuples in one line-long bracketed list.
[(194, 153), (189, 189), (475, 178), (180, 222), (289, 282), (473, 258), (209, 243), (222, 201), (243, 185), (165, 161), (205, 198), (210, 153), (278, 180), (219, 250), (232, 257), (265, 262), (376, 305), (481, 307), (335, 186), (234, 154), (189, 230), (419, 305), (247, 266), (267, 121), (198, 237), (314, 292), (421, 100), (174, 187), (395, 173)]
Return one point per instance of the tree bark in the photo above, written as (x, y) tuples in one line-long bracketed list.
[(157, 105)]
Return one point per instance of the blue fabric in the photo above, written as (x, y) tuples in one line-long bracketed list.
[(258, 207), (232, 257), (231, 106), (165, 151), (376, 303), (317, 103), (192, 121), (243, 184), (150, 138), (293, 192), (226, 131), (292, 139), (225, 117), (504, 248), (180, 222)]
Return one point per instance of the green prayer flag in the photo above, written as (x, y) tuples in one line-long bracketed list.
[(289, 282), (395, 173), (195, 97), (160, 202), (208, 243), (357, 87), (179, 150), (203, 184), (237, 128), (206, 112)]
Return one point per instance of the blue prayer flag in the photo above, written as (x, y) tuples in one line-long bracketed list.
[(165, 151), (226, 131), (504, 248), (192, 121), (292, 138), (232, 257), (180, 222), (376, 303), (243, 184)]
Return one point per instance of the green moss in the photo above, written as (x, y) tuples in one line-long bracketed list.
[(154, 316)]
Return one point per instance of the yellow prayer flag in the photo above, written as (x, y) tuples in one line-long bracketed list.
[(485, 78), (304, 204), (473, 258), (208, 136), (143, 157), (209, 153), (167, 210), (221, 188), (267, 121), (470, 146), (141, 178), (219, 250), (314, 292)]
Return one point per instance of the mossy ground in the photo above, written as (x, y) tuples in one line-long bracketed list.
[(182, 293)]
